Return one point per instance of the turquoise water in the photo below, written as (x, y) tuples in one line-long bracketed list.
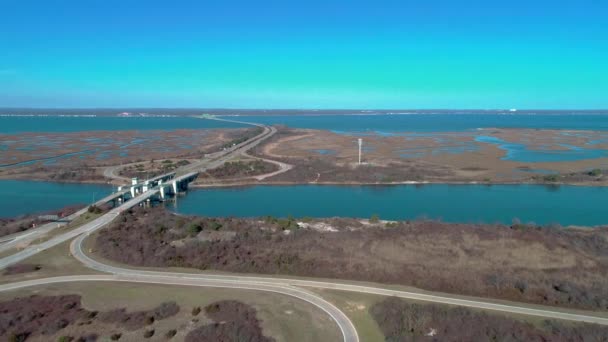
[(519, 152), (25, 197), (20, 124), (385, 124), (325, 152), (567, 205), (382, 124)]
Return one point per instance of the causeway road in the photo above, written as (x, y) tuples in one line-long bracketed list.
[(286, 286)]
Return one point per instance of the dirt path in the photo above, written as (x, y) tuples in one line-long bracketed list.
[(112, 173), (283, 167)]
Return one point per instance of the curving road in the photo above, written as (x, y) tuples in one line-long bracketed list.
[(111, 172), (279, 285), (76, 250), (25, 238), (344, 324)]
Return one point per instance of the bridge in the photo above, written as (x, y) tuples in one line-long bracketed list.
[(157, 188)]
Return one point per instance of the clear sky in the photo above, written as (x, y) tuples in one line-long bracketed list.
[(304, 54)]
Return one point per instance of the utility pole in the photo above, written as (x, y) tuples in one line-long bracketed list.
[(360, 144)]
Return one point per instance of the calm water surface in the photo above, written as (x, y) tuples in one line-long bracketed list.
[(26, 197), (21, 124), (435, 122), (567, 205), (339, 123)]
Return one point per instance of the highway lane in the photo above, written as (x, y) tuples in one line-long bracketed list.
[(24, 238), (88, 227), (344, 324), (263, 282), (76, 250), (349, 332), (224, 156)]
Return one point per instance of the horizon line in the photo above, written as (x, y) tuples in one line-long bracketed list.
[(302, 109)]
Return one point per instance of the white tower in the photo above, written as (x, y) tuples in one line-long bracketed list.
[(360, 144)]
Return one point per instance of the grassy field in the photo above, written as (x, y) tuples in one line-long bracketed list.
[(89, 242), (56, 261), (282, 317), (356, 306)]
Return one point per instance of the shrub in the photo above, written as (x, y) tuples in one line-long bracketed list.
[(94, 209), (212, 308), (550, 178), (149, 333), (116, 336), (270, 219), (171, 333), (215, 225), (521, 286), (374, 218), (595, 173), (64, 339), (196, 311), (194, 228), (288, 224), (88, 338), (166, 309)]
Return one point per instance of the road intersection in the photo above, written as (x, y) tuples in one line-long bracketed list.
[(286, 286)]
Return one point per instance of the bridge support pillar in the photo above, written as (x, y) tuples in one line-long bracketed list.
[(162, 192), (175, 187), (132, 191)]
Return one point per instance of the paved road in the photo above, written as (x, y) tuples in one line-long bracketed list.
[(344, 324), (86, 228), (25, 238), (285, 286), (221, 157), (76, 250), (112, 173)]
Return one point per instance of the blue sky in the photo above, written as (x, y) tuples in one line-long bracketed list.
[(304, 54)]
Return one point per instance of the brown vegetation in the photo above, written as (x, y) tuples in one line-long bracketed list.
[(442, 157), (152, 169), (139, 319), (45, 316), (400, 320), (22, 223), (21, 268), (586, 177), (551, 266), (77, 157), (233, 321), (322, 169), (238, 169), (74, 172)]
